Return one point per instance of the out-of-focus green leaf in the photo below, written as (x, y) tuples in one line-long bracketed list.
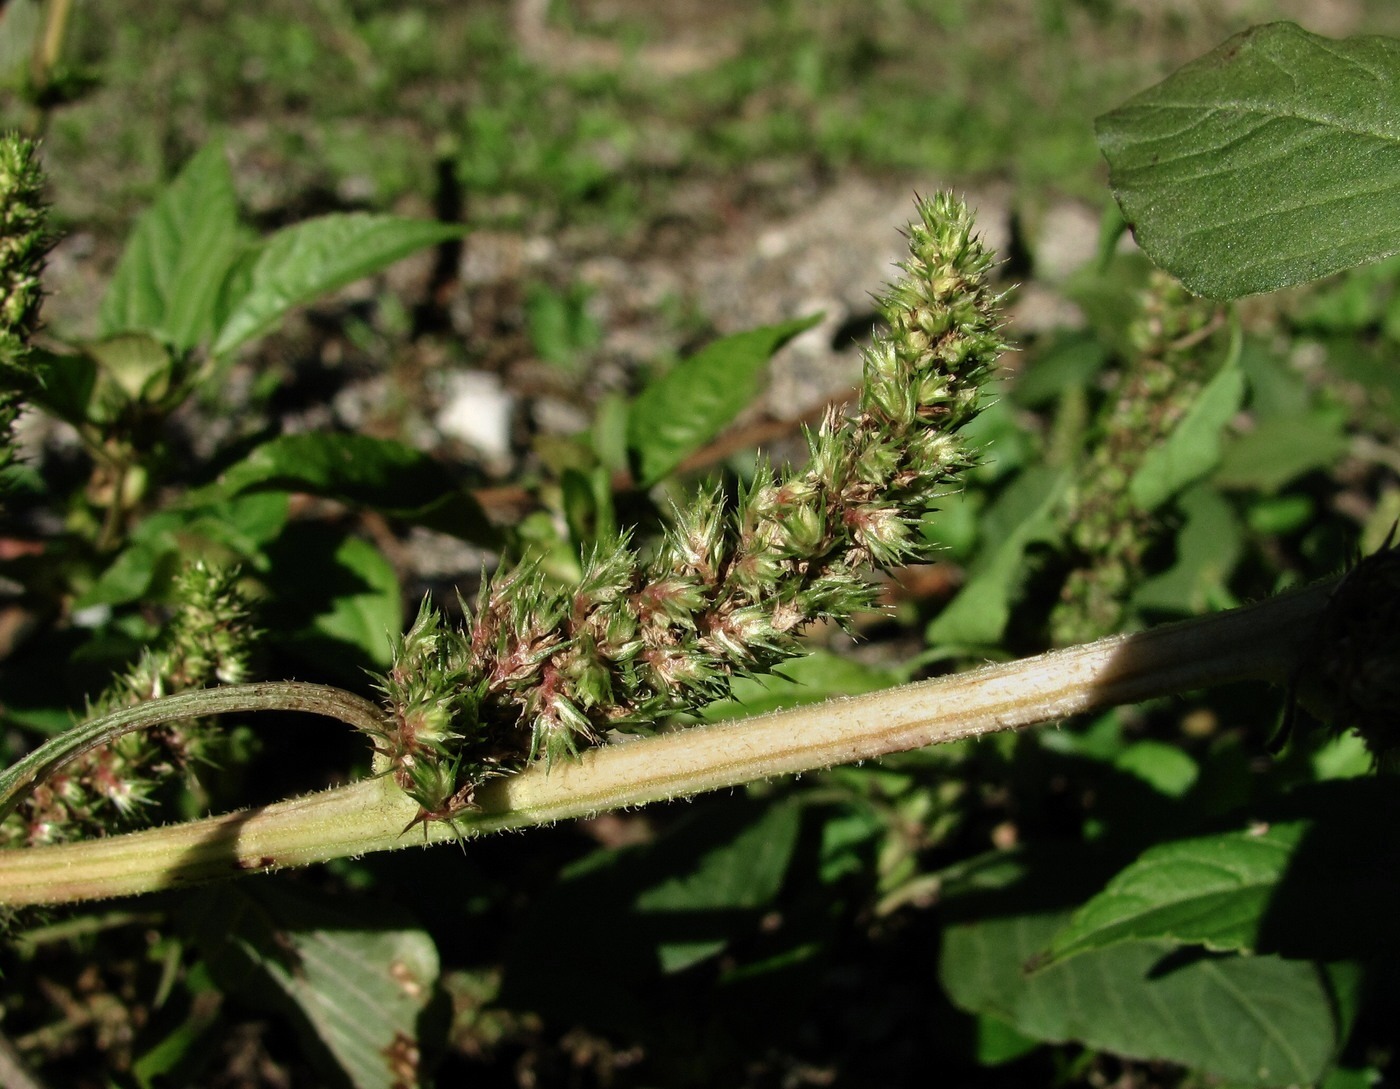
[(1272, 160), (1208, 546), (1357, 300), (588, 507), (688, 406), (998, 1042), (1074, 359), (559, 323), (182, 1052), (665, 905), (336, 597), (386, 476), (139, 365), (230, 530), (1279, 514), (302, 262), (1164, 767), (172, 271), (66, 384), (1022, 516), (1193, 448), (1370, 367), (742, 874), (1283, 448), (355, 977)]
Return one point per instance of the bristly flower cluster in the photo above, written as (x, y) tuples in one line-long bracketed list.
[(23, 247), (1109, 534), (208, 641), (544, 671)]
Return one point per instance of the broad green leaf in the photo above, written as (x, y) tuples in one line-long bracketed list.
[(387, 476), (168, 280), (356, 977), (1022, 516), (1210, 891), (368, 619), (305, 261), (688, 406), (1247, 1020), (1273, 160), (1290, 886), (1193, 448), (1283, 448)]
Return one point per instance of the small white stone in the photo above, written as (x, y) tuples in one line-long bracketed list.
[(476, 410)]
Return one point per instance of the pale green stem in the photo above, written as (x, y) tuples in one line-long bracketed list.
[(1263, 641)]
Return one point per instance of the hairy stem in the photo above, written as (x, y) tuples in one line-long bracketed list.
[(19, 778), (1265, 641)]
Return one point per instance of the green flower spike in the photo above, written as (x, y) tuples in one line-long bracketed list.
[(543, 671), (23, 247)]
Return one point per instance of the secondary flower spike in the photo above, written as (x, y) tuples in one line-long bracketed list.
[(542, 671)]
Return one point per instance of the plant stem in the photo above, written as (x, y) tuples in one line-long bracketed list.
[(1265, 641), (20, 777)]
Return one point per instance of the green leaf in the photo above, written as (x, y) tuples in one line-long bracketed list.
[(588, 507), (742, 874), (307, 260), (202, 526), (1208, 546), (688, 406), (1273, 160), (1072, 360), (170, 275), (1165, 768), (66, 384), (1022, 516), (183, 1052), (386, 476), (1247, 1020), (337, 599), (1283, 448), (1210, 891), (1291, 886), (355, 977), (138, 365), (670, 903), (1193, 448)]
